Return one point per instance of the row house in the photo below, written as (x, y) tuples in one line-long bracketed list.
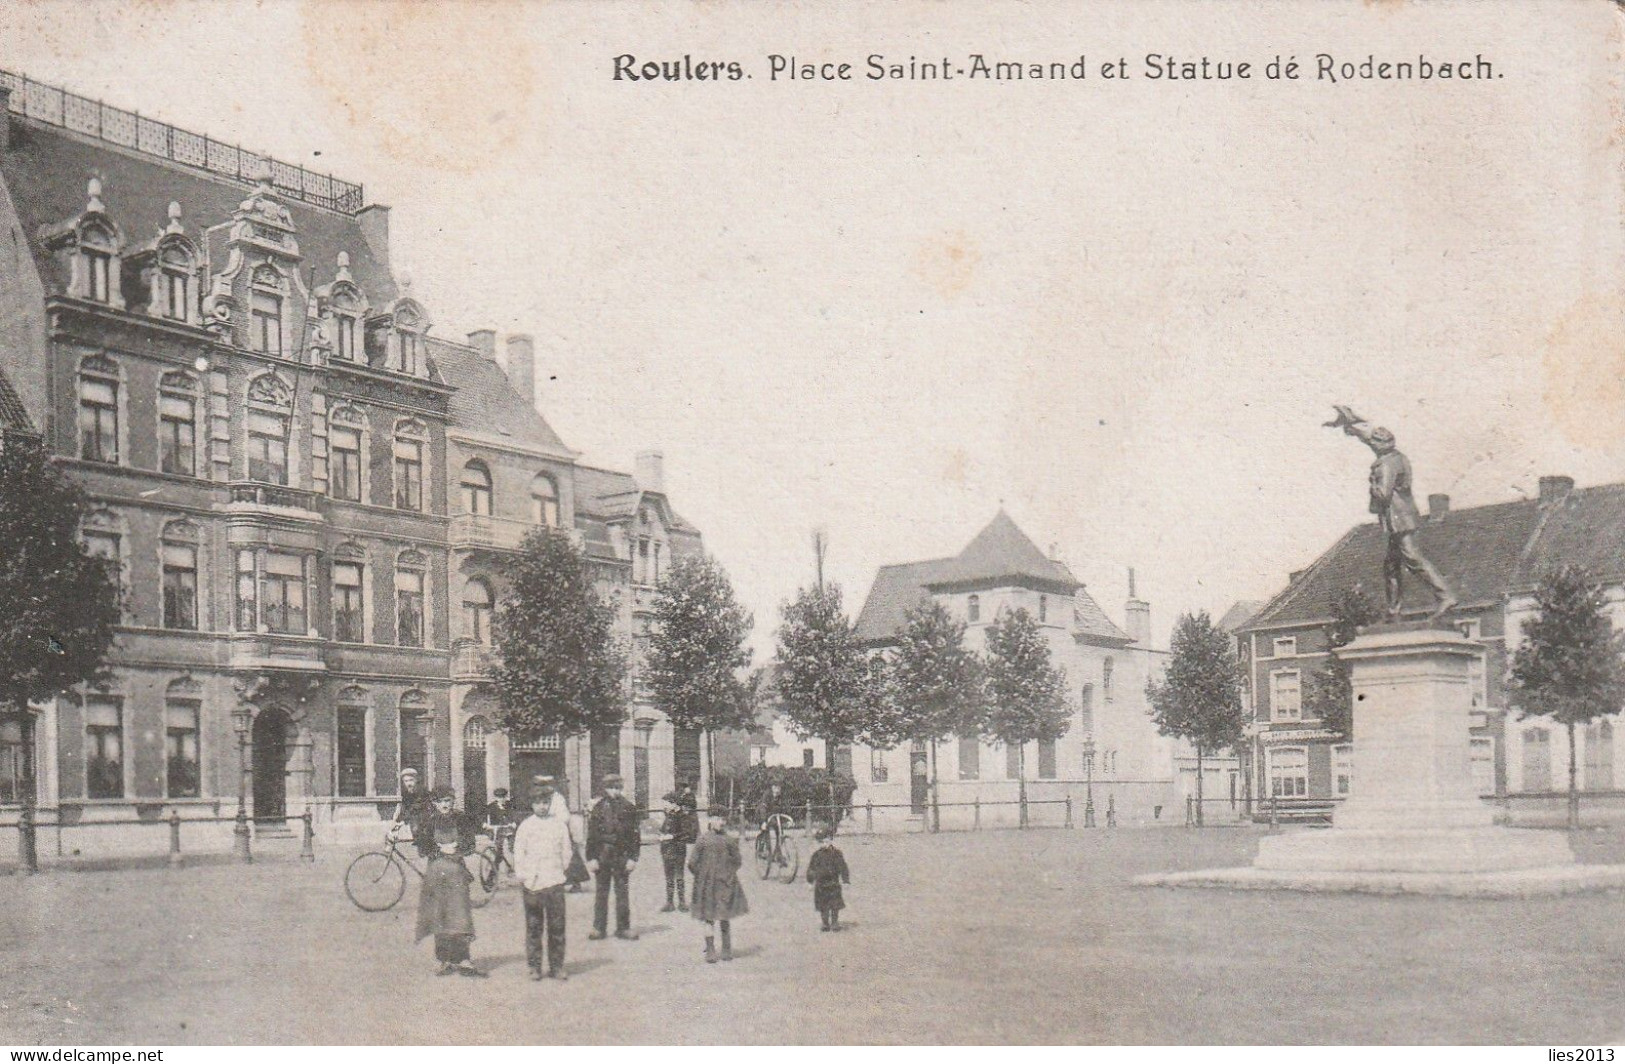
[(1493, 557), (282, 459)]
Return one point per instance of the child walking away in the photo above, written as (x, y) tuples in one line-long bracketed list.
[(718, 896), (826, 872)]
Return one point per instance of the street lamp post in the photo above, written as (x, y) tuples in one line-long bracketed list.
[(1089, 783), (243, 718)]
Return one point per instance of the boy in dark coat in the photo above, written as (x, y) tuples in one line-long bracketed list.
[(826, 871), (444, 836)]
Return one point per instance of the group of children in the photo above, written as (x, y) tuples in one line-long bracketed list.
[(544, 851)]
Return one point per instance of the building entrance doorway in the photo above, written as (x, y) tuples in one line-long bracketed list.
[(543, 756), (270, 766)]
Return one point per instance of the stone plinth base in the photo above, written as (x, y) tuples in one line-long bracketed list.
[(1420, 850), (1526, 883)]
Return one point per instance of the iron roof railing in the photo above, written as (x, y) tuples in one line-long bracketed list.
[(59, 107)]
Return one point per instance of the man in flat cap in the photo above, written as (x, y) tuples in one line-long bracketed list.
[(612, 853), (1396, 512)]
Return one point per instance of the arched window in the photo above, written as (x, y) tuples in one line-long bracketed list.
[(478, 601), (544, 500), (173, 297), (973, 608), (477, 488), (346, 442), (347, 311), (179, 548), (183, 706), (270, 412), (1088, 720), (265, 311), (409, 342), (177, 423), (411, 573), (98, 246), (104, 537), (101, 401), (411, 440), (474, 736)]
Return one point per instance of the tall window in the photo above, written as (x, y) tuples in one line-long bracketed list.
[(1537, 760), (247, 592), (180, 586), (1046, 759), (1289, 772), (348, 619), (103, 538), (270, 411), (878, 773), (1088, 717), (973, 608), (477, 488), (411, 352), (416, 723), (97, 247), (1106, 668), (409, 579), (1286, 696), (544, 500), (282, 593), (344, 478), (265, 312), (1343, 770), (477, 605), (1043, 609), (104, 747), (16, 762), (98, 411), (352, 746), (177, 424), (1012, 761), (1599, 768), (409, 465), (970, 757), (1483, 764), (347, 341), (180, 747), (175, 284)]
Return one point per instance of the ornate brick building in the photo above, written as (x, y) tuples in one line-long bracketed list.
[(307, 490)]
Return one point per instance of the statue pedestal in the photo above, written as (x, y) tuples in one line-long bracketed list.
[(1414, 822)]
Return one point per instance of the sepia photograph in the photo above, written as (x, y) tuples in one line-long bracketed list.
[(706, 523)]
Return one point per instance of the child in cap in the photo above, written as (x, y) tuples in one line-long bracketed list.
[(826, 871)]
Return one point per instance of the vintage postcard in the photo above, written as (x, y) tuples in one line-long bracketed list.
[(725, 523)]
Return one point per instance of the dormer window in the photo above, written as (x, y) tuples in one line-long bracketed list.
[(265, 312), (97, 244), (347, 341), (409, 342), (175, 284)]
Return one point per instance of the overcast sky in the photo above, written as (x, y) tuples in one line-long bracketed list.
[(1121, 308)]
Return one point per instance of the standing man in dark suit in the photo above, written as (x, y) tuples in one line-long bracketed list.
[(612, 853)]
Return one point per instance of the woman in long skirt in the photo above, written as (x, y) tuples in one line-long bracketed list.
[(718, 895), (444, 837)]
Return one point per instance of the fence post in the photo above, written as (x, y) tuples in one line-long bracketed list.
[(976, 814), (307, 852), (869, 816), (175, 859), (1275, 820), (1190, 811), (242, 846), (1023, 822), (1111, 810), (807, 822), (1069, 810), (27, 841)]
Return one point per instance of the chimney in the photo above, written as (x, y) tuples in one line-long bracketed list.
[(5, 117), (374, 222), (1137, 615), (485, 342), (522, 366), (1553, 489), (1438, 506), (1294, 576), (649, 470)]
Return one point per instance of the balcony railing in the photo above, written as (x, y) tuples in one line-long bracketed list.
[(92, 118), (471, 662), (276, 496), (477, 531)]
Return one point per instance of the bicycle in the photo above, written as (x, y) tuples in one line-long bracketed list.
[(500, 851), (776, 851), (376, 880)]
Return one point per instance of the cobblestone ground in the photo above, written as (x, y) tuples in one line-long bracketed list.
[(997, 937)]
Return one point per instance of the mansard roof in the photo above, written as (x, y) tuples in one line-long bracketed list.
[(486, 403), (1485, 553), (13, 414), (609, 495), (46, 170)]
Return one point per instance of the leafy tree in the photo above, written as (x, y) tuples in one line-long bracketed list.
[(825, 680), (698, 648), (1569, 666), (1328, 692), (935, 685), (1199, 696), (58, 604), (562, 670), (1025, 692)]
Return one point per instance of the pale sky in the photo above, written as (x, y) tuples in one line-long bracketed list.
[(1122, 308)]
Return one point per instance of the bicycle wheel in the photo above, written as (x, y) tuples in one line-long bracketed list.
[(788, 861), (375, 881), (764, 855), (485, 878)]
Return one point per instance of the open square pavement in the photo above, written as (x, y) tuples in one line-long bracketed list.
[(989, 937)]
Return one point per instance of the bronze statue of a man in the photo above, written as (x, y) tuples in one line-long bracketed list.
[(1396, 512)]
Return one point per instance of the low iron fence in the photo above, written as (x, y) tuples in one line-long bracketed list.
[(30, 822)]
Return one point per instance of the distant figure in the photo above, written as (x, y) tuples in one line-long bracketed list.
[(1396, 512), (718, 895), (444, 836), (541, 858), (826, 871), (499, 820), (413, 803), (613, 842)]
